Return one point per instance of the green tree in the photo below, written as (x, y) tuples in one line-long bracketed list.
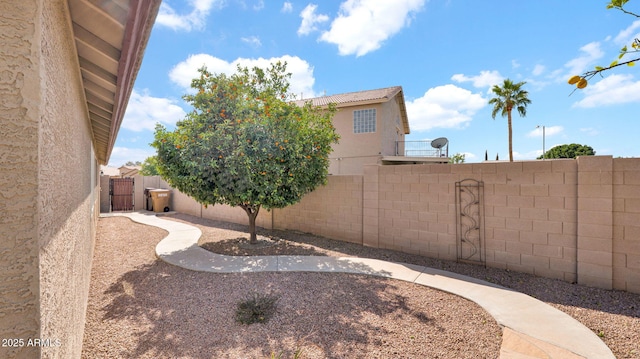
[(633, 49), (509, 96), (150, 166), (569, 151), (131, 163), (246, 143), (457, 158)]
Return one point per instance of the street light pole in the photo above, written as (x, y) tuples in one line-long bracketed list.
[(543, 139)]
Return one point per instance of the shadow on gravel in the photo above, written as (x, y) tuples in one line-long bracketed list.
[(182, 313), (545, 289)]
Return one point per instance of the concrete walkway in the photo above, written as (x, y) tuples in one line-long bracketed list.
[(531, 328)]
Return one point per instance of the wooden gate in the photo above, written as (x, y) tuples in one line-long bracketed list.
[(121, 191)]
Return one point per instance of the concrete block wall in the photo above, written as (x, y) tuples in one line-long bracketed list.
[(626, 224), (182, 203), (574, 220), (595, 221), (529, 212), (333, 211), (221, 212), (140, 183)]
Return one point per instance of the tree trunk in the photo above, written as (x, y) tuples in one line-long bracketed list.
[(510, 136), (252, 212)]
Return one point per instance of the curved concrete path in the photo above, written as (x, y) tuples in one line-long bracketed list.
[(531, 328)]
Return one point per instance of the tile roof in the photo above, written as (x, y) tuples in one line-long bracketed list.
[(353, 98), (364, 98)]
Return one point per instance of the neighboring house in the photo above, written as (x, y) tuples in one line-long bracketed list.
[(109, 171), (372, 126), (129, 171), (67, 69)]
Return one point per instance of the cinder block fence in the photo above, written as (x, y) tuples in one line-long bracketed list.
[(574, 220)]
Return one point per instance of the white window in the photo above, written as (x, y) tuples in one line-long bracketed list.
[(364, 121)]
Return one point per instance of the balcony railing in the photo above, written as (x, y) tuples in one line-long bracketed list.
[(420, 149)]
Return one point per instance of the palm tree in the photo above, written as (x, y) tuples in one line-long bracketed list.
[(508, 96)]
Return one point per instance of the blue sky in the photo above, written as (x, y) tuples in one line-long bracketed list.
[(446, 54)]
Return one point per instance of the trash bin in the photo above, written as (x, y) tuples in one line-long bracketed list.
[(148, 205), (160, 199)]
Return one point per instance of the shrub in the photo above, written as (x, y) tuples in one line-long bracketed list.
[(256, 308)]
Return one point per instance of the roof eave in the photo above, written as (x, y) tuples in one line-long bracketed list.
[(137, 34)]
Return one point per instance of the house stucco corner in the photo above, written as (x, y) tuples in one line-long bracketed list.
[(49, 182)]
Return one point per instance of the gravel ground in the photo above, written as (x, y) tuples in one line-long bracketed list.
[(141, 307), (613, 315)]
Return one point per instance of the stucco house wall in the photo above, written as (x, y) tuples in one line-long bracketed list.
[(50, 181), (49, 175), (68, 200), (355, 149), (19, 119), (391, 128)]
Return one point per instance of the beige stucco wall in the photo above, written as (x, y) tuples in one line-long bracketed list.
[(391, 128), (19, 116), (105, 199), (353, 149), (47, 240)]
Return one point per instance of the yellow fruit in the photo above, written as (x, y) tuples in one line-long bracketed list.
[(574, 80), (582, 83)]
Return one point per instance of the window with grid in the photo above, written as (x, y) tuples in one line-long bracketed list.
[(364, 121)]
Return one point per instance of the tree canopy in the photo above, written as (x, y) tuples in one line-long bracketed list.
[(509, 96), (581, 81), (246, 143), (457, 158), (572, 150), (150, 166)]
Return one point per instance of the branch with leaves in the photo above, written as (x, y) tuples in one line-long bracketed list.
[(581, 81)]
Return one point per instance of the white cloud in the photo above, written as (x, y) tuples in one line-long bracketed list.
[(310, 19), (287, 7), (515, 64), (590, 131), (254, 41), (468, 156), (144, 111), (531, 155), (626, 36), (589, 54), (363, 25), (612, 90), (548, 131), (538, 70), (196, 19), (301, 81), (445, 106), (122, 155), (485, 79)]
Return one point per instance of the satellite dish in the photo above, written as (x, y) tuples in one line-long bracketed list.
[(439, 142)]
